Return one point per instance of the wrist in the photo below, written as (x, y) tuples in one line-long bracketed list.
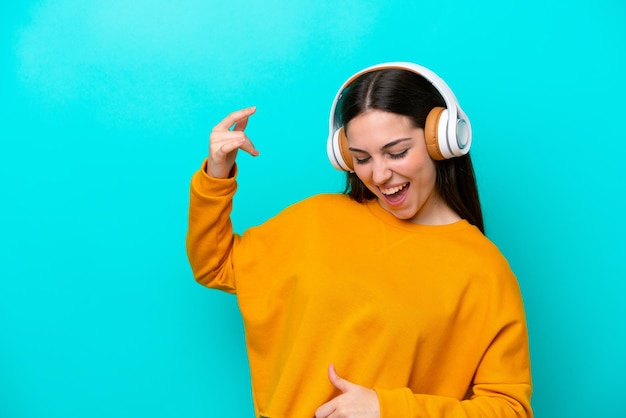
[(217, 172)]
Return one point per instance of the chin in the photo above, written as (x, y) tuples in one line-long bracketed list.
[(404, 215)]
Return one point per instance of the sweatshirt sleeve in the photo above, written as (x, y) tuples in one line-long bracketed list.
[(210, 237), (501, 385)]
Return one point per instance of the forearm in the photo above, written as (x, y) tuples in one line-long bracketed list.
[(209, 235), (488, 401)]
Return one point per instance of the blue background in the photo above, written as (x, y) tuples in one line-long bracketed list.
[(106, 107)]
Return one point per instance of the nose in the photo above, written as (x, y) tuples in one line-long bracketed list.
[(381, 173)]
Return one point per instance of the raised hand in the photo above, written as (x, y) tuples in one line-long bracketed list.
[(354, 402), (224, 143)]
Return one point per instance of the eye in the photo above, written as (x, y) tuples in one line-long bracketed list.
[(399, 155), (361, 160)]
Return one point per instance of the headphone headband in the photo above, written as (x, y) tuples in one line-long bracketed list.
[(454, 133)]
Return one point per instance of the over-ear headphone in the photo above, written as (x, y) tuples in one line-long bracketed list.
[(447, 131)]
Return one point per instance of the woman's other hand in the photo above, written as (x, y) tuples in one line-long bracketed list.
[(354, 402)]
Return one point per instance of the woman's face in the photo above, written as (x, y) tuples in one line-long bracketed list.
[(391, 159)]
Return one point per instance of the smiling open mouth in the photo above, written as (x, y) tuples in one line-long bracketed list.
[(393, 190), (395, 195)]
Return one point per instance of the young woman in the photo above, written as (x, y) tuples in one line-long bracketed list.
[(384, 301)]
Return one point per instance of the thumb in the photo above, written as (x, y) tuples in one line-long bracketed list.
[(338, 382)]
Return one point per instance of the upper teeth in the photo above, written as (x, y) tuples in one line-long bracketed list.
[(393, 189)]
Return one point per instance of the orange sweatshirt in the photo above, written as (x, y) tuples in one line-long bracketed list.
[(430, 317)]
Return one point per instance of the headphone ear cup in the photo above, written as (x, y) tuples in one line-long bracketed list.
[(432, 134), (346, 155)]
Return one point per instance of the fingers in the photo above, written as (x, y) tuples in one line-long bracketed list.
[(224, 143), (325, 410), (339, 383), (231, 140), (238, 118), (241, 124), (227, 144), (248, 146), (221, 132), (328, 408), (355, 401)]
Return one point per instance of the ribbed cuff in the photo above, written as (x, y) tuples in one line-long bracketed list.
[(395, 403), (204, 184)]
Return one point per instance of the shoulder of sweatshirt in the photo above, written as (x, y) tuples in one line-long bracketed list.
[(480, 248), (322, 205), (313, 215)]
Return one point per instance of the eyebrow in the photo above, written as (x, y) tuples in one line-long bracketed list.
[(384, 147)]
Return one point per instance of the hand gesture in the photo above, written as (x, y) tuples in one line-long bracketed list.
[(354, 402), (224, 143)]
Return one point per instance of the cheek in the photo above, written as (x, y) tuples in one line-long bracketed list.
[(429, 173), (419, 165), (362, 172)]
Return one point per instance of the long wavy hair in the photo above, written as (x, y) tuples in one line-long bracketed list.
[(406, 93)]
